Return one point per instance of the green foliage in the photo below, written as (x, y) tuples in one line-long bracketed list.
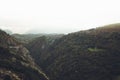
[(12, 59), (39, 46), (85, 55), (95, 49)]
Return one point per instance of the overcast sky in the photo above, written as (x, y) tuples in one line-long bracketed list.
[(57, 16)]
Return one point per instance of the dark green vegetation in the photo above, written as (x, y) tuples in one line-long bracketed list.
[(38, 47), (86, 55), (15, 61)]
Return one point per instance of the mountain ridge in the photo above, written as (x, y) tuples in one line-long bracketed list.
[(15, 61), (85, 55)]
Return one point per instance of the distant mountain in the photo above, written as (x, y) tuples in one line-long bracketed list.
[(26, 38), (86, 55), (8, 31), (15, 61)]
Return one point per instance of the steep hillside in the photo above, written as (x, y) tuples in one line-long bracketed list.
[(15, 61), (86, 55), (38, 47)]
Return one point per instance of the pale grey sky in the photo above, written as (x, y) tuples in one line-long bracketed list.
[(57, 16)]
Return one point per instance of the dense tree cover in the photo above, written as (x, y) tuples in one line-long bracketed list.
[(15, 61), (86, 55), (71, 58), (38, 47)]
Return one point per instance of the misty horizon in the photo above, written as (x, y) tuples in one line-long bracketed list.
[(51, 16), (42, 31)]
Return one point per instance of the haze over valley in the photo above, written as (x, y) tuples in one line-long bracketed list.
[(59, 40)]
